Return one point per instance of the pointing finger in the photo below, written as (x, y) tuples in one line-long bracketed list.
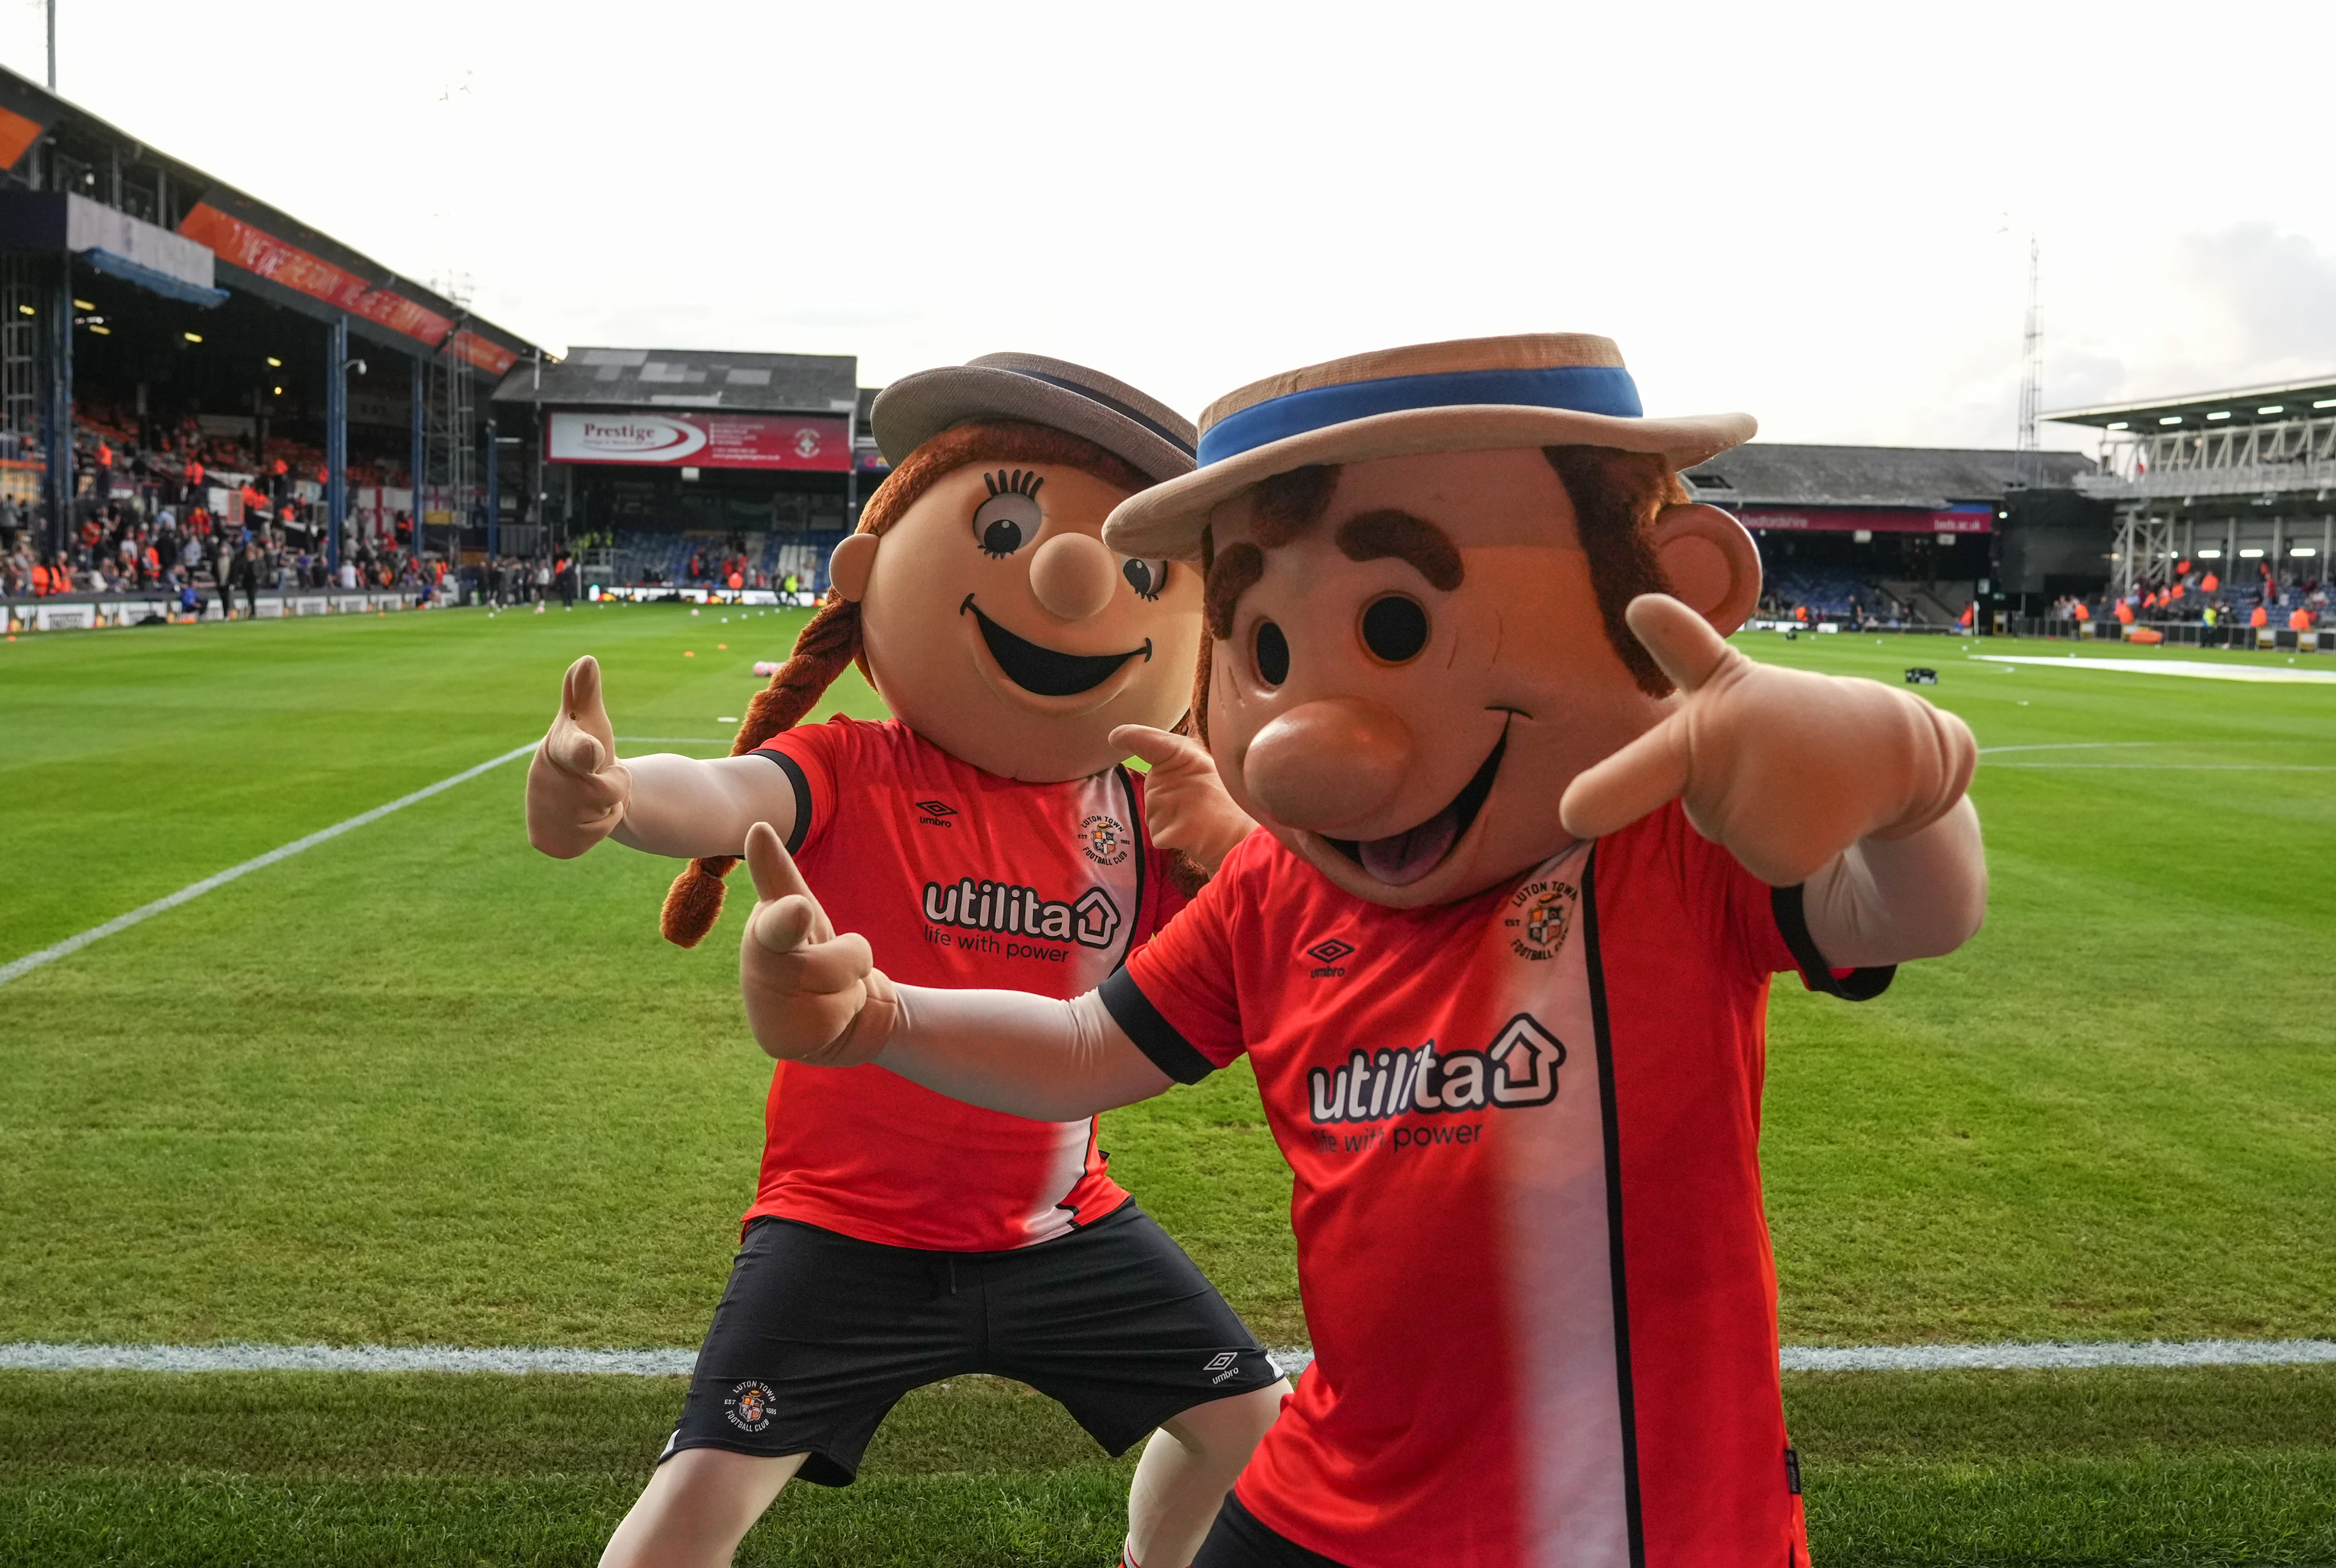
[(778, 877), (584, 701), (1681, 641), (1627, 786), (1157, 747)]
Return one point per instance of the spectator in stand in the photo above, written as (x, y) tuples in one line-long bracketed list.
[(348, 575), (243, 572)]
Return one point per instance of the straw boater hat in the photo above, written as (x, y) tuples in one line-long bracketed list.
[(1477, 395), (1055, 392)]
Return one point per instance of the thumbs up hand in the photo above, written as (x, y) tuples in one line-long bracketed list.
[(576, 790), (811, 996), (1783, 768)]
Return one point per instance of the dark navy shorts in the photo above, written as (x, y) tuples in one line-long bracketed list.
[(819, 1335)]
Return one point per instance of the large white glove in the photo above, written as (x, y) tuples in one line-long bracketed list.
[(811, 996), (1783, 768), (576, 790)]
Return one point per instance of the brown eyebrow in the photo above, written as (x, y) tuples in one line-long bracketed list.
[(1233, 574), (1375, 535)]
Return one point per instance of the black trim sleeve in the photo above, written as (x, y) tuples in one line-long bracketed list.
[(1793, 924), (794, 770), (1154, 1035)]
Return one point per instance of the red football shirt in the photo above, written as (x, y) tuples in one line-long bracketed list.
[(958, 878), (1531, 1241)]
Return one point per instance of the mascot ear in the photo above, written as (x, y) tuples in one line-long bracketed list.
[(848, 567), (1710, 562)]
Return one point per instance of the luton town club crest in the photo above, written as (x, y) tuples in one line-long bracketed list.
[(1539, 915), (1103, 840), (749, 1406)]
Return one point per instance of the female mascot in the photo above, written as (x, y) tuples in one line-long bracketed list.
[(985, 836)]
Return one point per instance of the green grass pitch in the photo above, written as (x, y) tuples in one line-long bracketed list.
[(422, 1085)]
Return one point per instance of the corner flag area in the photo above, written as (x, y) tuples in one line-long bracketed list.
[(402, 1082)]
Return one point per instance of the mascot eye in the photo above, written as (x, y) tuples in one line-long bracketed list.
[(1394, 628), (1272, 654), (1006, 522), (1147, 578)]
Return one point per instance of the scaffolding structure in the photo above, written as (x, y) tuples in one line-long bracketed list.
[(20, 379), (2246, 478), (447, 490)]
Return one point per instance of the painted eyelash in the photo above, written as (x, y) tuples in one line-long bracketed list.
[(1021, 482)]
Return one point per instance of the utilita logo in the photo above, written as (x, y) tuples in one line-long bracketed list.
[(1518, 1069), (1012, 910)]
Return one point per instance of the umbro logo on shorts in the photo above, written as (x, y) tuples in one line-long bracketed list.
[(1224, 1364), (1327, 953)]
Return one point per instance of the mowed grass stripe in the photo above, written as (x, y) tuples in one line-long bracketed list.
[(74, 944), (2218, 1465)]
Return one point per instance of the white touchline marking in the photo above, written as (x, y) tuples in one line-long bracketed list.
[(2048, 1356), (33, 1355), (74, 944), (2071, 745), (2197, 669), (671, 740)]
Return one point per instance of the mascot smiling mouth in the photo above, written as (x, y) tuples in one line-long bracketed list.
[(1401, 859), (1042, 671)]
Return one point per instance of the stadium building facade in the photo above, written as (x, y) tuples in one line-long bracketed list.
[(672, 462), (1912, 534), (2242, 480), (153, 319)]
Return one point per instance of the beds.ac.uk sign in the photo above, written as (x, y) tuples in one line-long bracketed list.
[(701, 440)]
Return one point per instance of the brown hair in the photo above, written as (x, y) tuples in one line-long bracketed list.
[(1617, 495), (831, 642)]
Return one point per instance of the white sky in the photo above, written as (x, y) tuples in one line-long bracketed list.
[(1819, 213)]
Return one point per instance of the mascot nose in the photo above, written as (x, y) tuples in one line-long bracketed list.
[(1072, 574), (1328, 764)]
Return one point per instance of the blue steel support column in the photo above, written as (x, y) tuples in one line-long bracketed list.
[(494, 493), (336, 440), (57, 422), (414, 461)]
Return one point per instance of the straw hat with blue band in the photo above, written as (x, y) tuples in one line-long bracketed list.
[(1056, 392), (1477, 395)]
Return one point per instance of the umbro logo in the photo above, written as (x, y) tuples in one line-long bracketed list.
[(936, 814), (1327, 954), (1225, 1364)]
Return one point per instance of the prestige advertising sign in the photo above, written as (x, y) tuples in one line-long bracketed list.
[(703, 440)]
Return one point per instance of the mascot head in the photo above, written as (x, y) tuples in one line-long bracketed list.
[(978, 596), (1415, 565)]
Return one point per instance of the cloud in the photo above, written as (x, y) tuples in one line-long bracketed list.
[(2276, 292)]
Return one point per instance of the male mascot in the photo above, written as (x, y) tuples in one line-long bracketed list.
[(1536, 838), (985, 835)]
